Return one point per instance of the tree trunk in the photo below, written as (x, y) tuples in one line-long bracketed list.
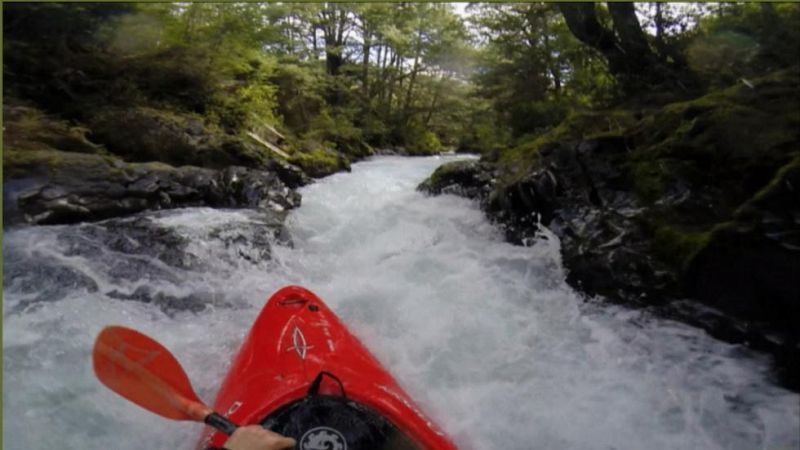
[(581, 20), (366, 48), (414, 70), (659, 21), (394, 65), (631, 37), (552, 65), (334, 21), (630, 59), (436, 95)]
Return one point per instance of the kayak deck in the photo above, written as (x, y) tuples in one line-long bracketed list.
[(294, 341)]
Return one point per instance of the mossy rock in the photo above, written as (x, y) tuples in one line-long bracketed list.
[(782, 190), (143, 134), (320, 162), (520, 160), (677, 248), (27, 128), (52, 187), (732, 140), (468, 178), (749, 264), (19, 163)]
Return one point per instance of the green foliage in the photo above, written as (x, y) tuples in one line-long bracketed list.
[(532, 70), (299, 93), (335, 126), (59, 26), (346, 77), (723, 57), (375, 130), (423, 142), (745, 40), (21, 163), (248, 98), (732, 139), (481, 132), (240, 65), (419, 140)]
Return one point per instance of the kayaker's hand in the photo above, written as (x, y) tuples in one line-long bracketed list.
[(254, 437)]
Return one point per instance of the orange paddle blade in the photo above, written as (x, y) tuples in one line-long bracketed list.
[(143, 371)]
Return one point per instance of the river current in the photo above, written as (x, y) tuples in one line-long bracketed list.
[(486, 336)]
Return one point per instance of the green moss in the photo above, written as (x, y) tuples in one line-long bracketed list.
[(731, 140), (736, 123), (27, 128), (770, 196), (649, 179), (677, 248), (779, 178), (319, 162), (142, 134), (20, 163), (445, 173), (521, 159)]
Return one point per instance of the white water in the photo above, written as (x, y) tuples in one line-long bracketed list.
[(486, 336)]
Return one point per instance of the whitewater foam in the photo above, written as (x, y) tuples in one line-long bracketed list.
[(486, 336)]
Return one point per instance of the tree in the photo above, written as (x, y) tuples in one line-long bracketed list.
[(335, 22), (532, 69), (630, 58)]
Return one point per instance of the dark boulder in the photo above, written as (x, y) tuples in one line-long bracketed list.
[(471, 178), (51, 187), (291, 175), (750, 265), (154, 257)]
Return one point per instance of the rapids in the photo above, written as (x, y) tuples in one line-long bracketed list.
[(486, 336)]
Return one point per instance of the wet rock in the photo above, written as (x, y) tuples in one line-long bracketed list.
[(40, 278), (139, 236), (63, 187), (697, 199), (472, 179), (750, 265), (170, 304), (252, 241), (291, 175), (152, 257)]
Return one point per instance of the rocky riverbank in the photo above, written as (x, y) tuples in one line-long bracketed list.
[(54, 174), (696, 200)]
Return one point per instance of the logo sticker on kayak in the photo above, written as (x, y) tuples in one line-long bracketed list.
[(299, 343), (323, 438)]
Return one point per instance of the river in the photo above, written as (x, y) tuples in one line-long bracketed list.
[(486, 336)]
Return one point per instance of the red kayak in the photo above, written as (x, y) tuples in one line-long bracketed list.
[(301, 373)]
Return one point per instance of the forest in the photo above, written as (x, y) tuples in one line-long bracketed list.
[(341, 79)]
